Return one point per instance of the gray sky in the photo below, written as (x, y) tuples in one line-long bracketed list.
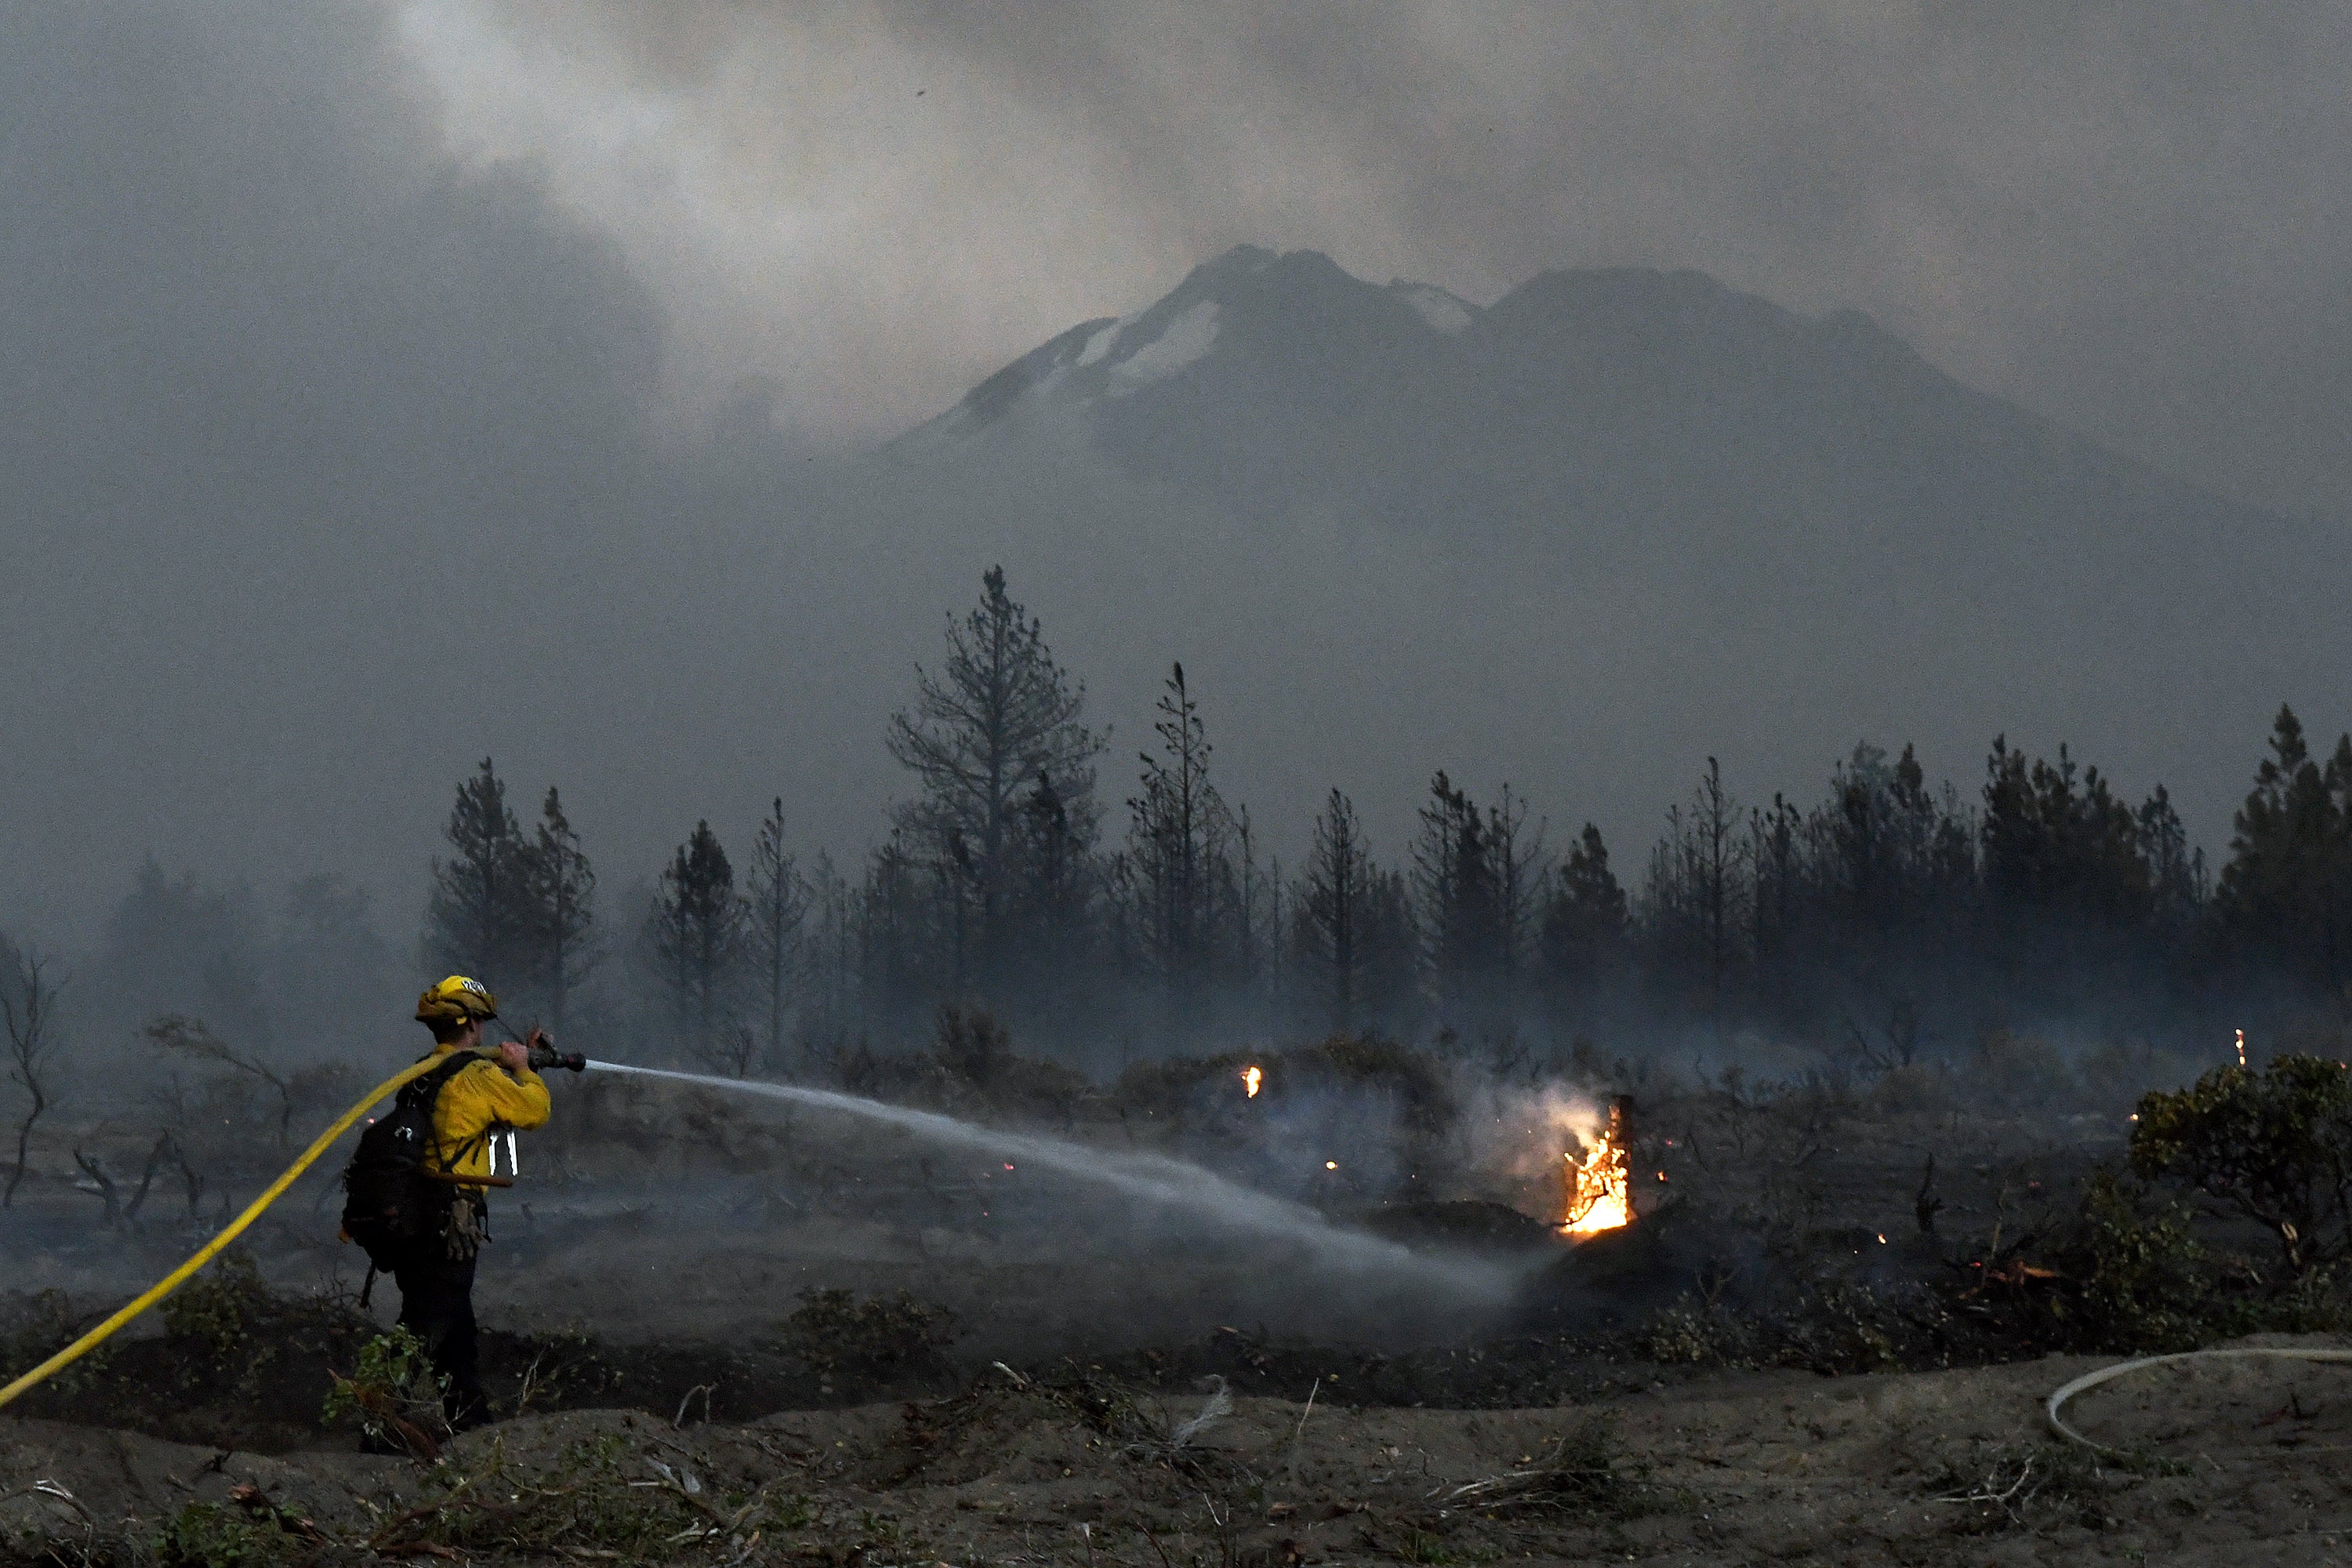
[(2131, 215), (334, 344)]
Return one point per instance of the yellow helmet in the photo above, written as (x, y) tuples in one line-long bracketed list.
[(455, 1000)]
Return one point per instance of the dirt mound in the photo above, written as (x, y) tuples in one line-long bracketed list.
[(2217, 1462)]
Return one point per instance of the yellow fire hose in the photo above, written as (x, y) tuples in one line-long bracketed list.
[(173, 1281)]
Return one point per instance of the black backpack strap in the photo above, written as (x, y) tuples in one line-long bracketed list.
[(428, 1089), (451, 1160)]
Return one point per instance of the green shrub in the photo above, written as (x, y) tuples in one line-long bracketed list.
[(218, 1307), (394, 1383), (2144, 1285), (2274, 1146), (214, 1535)]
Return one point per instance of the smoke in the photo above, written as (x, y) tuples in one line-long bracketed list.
[(331, 459), (1510, 1138), (2130, 217)]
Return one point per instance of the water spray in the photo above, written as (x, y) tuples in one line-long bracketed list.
[(1151, 1178)]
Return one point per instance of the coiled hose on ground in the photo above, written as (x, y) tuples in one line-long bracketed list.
[(2091, 1380), (212, 1248)]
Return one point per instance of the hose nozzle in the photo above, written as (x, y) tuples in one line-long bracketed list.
[(544, 1056)]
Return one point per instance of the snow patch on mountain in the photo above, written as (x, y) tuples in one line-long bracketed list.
[(1098, 346), (1443, 312), (1183, 341)]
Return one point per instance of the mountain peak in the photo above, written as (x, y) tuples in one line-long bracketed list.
[(1297, 315), (1241, 258), (1257, 357), (1253, 273)]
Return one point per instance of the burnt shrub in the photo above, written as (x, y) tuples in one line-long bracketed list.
[(970, 1044), (833, 1332)]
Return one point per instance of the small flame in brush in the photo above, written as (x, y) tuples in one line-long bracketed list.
[(1252, 1076)]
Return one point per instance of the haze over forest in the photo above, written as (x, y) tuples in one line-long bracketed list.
[(365, 416)]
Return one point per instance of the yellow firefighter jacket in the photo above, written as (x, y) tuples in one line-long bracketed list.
[(475, 1099)]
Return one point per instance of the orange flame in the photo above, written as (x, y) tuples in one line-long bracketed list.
[(1251, 1078), (2242, 1048), (1599, 1187)]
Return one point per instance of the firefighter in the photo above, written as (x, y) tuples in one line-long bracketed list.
[(497, 1092)]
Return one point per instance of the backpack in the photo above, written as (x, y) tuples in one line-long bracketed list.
[(387, 1204)]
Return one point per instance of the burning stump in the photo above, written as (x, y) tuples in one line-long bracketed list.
[(1599, 1184), (1612, 1272)]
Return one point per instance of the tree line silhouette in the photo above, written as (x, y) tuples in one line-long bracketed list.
[(1878, 910)]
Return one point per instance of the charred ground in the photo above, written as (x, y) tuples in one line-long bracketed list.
[(877, 1344)]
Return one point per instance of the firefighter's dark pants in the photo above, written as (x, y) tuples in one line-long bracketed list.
[(437, 1305)]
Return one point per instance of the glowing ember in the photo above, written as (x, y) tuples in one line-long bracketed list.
[(1600, 1187), (2242, 1048), (1251, 1078)]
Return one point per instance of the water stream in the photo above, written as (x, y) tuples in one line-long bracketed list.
[(1151, 1178)]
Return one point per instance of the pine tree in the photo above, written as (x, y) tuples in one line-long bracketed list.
[(1584, 922), (698, 931), (1520, 872), (1179, 847), (1457, 880), (2177, 879), (1776, 865), (1697, 887), (998, 721), (1049, 914), (1877, 834), (561, 924), (2057, 841), (1717, 862), (2287, 893), (830, 973), (1254, 898), (894, 936), (1329, 905), (479, 916), (1389, 943), (778, 900)]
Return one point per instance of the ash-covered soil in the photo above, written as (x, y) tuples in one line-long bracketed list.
[(2215, 1463), (1814, 1345)]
